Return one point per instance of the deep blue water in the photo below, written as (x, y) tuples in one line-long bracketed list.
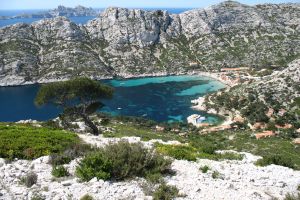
[(77, 20), (157, 98)]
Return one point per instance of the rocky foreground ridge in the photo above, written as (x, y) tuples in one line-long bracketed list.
[(123, 42), (238, 179)]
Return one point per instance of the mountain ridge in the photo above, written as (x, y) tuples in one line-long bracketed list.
[(132, 42)]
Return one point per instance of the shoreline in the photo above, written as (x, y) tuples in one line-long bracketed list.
[(197, 104), (15, 81)]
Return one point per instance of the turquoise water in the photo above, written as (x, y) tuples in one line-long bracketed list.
[(158, 98), (161, 98)]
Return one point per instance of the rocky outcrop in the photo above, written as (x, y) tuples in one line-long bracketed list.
[(124, 42), (78, 11)]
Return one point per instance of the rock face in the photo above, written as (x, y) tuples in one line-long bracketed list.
[(78, 11), (123, 42)]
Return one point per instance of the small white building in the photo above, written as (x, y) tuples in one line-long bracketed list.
[(195, 119)]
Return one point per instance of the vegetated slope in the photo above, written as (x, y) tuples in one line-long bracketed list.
[(29, 142), (275, 97), (135, 42)]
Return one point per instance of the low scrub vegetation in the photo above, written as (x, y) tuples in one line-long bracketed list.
[(292, 196), (276, 160), (191, 153), (37, 197), (215, 175), (204, 146), (243, 141), (165, 192), (72, 152), (180, 152), (59, 171), (28, 142), (121, 161), (204, 169), (29, 179), (87, 197)]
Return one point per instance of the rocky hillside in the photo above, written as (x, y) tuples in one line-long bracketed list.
[(272, 98), (123, 42)]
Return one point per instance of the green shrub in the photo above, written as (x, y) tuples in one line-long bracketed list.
[(298, 188), (93, 165), (209, 149), (28, 142), (215, 175), (204, 169), (30, 179), (37, 197), (86, 197), (154, 178), (180, 152), (51, 124), (165, 192), (292, 197), (74, 151), (276, 160), (120, 161), (59, 171)]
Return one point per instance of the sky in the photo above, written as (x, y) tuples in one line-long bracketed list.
[(48, 4)]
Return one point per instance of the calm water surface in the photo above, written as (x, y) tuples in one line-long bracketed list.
[(157, 98), (77, 20)]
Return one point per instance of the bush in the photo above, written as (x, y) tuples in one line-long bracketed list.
[(292, 197), (59, 171), (180, 152), (30, 179), (120, 161), (74, 151), (86, 197), (209, 149), (204, 169), (37, 197), (215, 175), (28, 142), (165, 192), (276, 160), (93, 165), (154, 178)]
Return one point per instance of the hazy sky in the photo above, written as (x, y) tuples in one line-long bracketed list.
[(40, 4)]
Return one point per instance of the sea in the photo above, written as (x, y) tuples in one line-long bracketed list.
[(162, 99), (77, 20)]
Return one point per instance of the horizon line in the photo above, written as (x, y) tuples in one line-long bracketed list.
[(146, 7)]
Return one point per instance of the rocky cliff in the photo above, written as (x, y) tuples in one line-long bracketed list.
[(123, 42)]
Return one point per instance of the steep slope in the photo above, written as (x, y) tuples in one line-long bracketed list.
[(127, 42), (272, 98)]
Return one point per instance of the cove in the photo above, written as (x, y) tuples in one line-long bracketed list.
[(163, 99)]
